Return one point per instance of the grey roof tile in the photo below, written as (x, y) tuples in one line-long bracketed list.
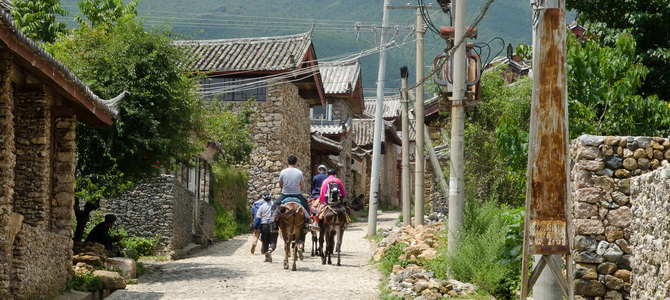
[(392, 106), (276, 53), (340, 77)]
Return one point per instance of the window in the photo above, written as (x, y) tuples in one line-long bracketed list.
[(321, 113), (234, 88)]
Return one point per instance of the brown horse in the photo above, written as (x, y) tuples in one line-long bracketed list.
[(315, 207), (291, 220), (332, 224)]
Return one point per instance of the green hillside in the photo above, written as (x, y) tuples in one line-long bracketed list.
[(334, 24)]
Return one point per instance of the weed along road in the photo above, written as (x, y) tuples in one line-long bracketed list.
[(228, 270)]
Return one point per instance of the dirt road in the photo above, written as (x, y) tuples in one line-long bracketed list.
[(227, 270)]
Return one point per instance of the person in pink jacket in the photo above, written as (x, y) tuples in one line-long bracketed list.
[(326, 187)]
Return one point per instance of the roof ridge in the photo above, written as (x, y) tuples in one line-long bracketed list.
[(299, 36)]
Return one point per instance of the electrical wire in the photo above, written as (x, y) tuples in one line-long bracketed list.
[(426, 18), (450, 51), (479, 49)]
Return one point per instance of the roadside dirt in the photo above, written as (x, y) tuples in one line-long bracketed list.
[(227, 270)]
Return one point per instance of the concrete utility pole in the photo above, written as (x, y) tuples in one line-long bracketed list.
[(456, 197), (548, 221), (379, 126), (406, 205), (419, 157)]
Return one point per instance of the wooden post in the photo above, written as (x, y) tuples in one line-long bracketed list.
[(548, 222)]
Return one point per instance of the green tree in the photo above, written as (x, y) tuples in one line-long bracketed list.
[(156, 121), (230, 129), (96, 12), (603, 90), (646, 21), (37, 19)]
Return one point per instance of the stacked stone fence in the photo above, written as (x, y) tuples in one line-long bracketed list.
[(608, 224), (162, 206)]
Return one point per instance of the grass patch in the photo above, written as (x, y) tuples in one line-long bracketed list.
[(85, 282)]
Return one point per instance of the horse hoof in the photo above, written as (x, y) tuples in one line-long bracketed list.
[(294, 268), (300, 255), (286, 266), (268, 257), (338, 264)]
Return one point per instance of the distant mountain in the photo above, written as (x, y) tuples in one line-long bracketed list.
[(334, 24)]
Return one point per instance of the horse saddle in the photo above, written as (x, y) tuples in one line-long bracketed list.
[(291, 199)]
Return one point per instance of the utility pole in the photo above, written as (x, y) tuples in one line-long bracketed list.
[(456, 197), (419, 115), (548, 221), (406, 205), (379, 125)]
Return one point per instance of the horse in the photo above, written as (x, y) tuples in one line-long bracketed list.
[(315, 208), (332, 222), (291, 220)]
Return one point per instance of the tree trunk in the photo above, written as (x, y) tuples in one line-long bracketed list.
[(82, 218)]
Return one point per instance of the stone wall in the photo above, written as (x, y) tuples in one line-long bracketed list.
[(62, 198), (389, 184), (42, 263), (162, 206), (7, 163), (650, 198), (602, 170), (280, 127), (206, 222)]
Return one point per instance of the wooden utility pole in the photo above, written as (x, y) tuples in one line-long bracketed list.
[(379, 126), (405, 187), (548, 220)]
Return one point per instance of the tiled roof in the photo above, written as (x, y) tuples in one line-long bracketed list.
[(331, 127), (340, 77), (55, 71), (326, 142), (6, 5), (364, 131), (249, 54), (392, 106)]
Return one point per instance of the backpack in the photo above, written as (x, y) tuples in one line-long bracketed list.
[(333, 193)]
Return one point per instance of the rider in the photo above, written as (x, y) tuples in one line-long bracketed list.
[(332, 178), (291, 183), (318, 180), (263, 219)]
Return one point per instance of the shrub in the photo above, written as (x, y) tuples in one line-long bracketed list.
[(489, 250), (391, 258), (85, 282), (229, 187), (139, 246)]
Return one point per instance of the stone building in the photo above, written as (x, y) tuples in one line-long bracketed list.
[(332, 125), (620, 217), (281, 77), (40, 104)]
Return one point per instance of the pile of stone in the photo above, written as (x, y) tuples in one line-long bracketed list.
[(413, 281), (92, 258)]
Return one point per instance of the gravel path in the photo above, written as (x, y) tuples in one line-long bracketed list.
[(227, 270)]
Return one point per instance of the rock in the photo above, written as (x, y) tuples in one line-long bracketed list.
[(625, 262), (644, 163), (589, 195), (666, 154), (607, 172), (625, 247), (585, 271), (127, 267), (591, 165), (582, 179), (621, 217), (591, 140), (583, 210), (605, 183), (602, 247), (588, 257), (639, 153), (622, 173), (613, 253), (613, 295), (110, 280), (620, 198), (630, 163), (611, 140), (585, 243), (589, 288), (643, 141), (623, 275), (613, 283), (587, 153), (82, 268), (588, 226), (656, 145), (606, 150), (613, 162), (655, 163), (92, 260), (613, 233), (624, 186), (606, 268)]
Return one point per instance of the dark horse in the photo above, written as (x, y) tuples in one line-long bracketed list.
[(291, 221), (314, 205), (332, 223)]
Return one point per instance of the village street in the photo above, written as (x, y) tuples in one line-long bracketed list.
[(227, 270)]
